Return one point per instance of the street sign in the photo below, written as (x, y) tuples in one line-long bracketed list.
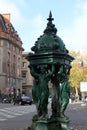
[(83, 86)]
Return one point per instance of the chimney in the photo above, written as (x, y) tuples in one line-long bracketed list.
[(6, 17)]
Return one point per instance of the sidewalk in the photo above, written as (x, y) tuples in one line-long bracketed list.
[(74, 102)]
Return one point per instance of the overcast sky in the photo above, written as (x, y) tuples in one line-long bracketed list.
[(29, 17)]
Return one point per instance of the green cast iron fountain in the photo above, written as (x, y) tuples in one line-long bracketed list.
[(50, 61)]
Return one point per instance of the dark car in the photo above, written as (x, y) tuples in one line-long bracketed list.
[(25, 100)]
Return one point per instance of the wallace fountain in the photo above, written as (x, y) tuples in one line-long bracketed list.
[(50, 61)]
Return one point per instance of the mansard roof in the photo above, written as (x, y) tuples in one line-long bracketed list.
[(8, 32), (2, 23)]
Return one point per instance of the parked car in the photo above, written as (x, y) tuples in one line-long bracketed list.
[(25, 100)]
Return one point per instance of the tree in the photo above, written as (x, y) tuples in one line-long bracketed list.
[(76, 72)]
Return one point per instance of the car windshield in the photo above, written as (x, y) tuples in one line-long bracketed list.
[(25, 97)]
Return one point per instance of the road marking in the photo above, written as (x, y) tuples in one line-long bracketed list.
[(6, 115), (9, 112), (2, 119), (14, 111)]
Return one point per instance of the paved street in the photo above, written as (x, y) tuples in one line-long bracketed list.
[(20, 117), (15, 117), (78, 116), (12, 112)]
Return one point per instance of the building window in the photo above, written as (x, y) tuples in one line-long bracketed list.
[(14, 57), (8, 45), (14, 64), (8, 78), (24, 77), (23, 74), (8, 63), (8, 68), (14, 81), (14, 48), (19, 51), (1, 43), (19, 67), (9, 56), (24, 64)]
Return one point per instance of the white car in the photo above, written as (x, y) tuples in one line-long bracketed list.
[(49, 100)]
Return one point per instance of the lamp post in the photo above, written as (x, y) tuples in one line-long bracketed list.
[(50, 61)]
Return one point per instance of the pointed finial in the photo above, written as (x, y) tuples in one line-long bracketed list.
[(50, 19), (50, 26)]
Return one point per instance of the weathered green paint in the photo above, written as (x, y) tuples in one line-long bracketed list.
[(50, 61)]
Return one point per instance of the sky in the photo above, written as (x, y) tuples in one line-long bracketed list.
[(29, 18)]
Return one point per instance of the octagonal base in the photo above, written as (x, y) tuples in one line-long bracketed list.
[(51, 125)]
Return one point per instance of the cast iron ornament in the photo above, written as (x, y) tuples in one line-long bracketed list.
[(50, 61)]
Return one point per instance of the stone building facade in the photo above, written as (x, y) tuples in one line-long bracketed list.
[(27, 79), (10, 56)]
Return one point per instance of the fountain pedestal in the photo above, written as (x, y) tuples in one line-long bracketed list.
[(50, 61)]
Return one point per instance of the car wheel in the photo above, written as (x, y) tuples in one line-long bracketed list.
[(20, 103), (30, 103)]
